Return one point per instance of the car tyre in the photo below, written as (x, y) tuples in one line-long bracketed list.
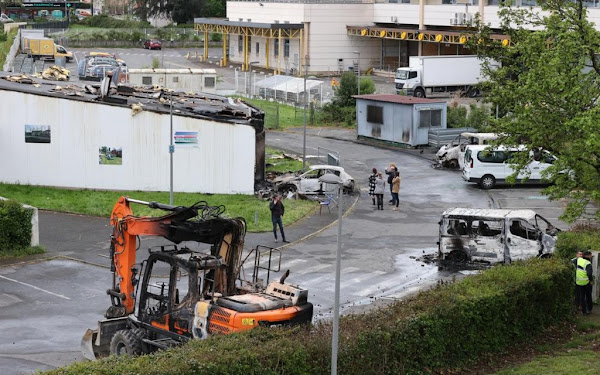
[(419, 93), (453, 164), (287, 188), (125, 342), (487, 182)]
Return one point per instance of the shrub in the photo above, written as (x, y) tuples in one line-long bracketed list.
[(334, 114), (581, 238), (438, 331), (15, 226)]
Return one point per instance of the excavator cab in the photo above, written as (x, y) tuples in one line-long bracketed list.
[(185, 293)]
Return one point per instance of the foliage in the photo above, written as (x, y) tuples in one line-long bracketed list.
[(104, 21), (484, 314), (580, 238), (15, 226), (477, 117), (100, 203), (547, 91), (347, 88), (334, 114), (155, 63), (6, 41), (181, 11)]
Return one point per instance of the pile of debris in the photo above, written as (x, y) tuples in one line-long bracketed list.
[(20, 78), (54, 73)]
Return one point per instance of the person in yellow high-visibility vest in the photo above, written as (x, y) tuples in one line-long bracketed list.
[(583, 280)]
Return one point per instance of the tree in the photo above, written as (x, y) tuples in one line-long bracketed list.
[(348, 88), (547, 91), (181, 11)]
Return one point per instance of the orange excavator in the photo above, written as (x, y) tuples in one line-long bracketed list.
[(180, 292)]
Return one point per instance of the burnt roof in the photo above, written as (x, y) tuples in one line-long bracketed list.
[(148, 98), (400, 99)]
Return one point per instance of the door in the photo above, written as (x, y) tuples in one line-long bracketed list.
[(509, 168), (522, 239), (539, 164)]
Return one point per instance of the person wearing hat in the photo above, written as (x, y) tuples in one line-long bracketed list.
[(583, 282)]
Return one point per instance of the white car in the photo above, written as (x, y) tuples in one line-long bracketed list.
[(5, 19), (308, 182)]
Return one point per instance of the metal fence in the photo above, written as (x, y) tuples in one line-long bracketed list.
[(440, 137)]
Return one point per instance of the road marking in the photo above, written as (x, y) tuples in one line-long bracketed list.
[(34, 287)]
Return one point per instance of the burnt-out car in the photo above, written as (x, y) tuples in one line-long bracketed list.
[(308, 182), (494, 235)]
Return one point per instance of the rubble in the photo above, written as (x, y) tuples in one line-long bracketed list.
[(54, 73)]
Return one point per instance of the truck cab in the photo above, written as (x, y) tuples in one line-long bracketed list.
[(408, 81)]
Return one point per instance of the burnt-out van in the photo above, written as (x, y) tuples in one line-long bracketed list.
[(494, 235)]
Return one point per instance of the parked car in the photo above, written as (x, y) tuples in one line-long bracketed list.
[(5, 19), (95, 67), (308, 182), (488, 166), (152, 44), (494, 235), (452, 155)]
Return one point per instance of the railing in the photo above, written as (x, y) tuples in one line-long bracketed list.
[(440, 137)]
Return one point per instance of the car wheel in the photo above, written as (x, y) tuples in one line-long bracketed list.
[(287, 188), (453, 164), (473, 92), (457, 256), (487, 182), (125, 342), (419, 93)]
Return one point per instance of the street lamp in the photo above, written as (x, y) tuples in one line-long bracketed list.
[(171, 149), (330, 178), (358, 68)]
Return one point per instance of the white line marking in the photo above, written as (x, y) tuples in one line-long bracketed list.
[(34, 287)]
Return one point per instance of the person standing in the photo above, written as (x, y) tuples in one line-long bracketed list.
[(588, 289), (583, 279), (372, 179), (574, 261), (379, 190), (390, 171), (277, 211), (396, 190)]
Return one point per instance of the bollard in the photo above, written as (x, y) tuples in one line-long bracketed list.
[(195, 54), (187, 56), (255, 218)]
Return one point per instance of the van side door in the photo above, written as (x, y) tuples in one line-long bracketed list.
[(522, 239)]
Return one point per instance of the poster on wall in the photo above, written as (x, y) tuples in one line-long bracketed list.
[(110, 155), (185, 139), (37, 133)]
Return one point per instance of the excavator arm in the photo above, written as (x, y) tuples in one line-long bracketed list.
[(199, 222)]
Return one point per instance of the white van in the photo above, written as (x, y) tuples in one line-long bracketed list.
[(487, 167), (452, 155), (494, 235)]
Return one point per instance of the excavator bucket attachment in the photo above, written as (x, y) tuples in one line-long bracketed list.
[(87, 344)]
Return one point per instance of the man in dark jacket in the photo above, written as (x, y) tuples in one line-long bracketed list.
[(583, 282), (277, 211)]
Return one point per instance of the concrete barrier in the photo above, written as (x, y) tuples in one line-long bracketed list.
[(12, 53), (35, 224)]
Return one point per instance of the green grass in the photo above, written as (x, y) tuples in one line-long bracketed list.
[(281, 165), (114, 161), (100, 203), (280, 116), (577, 356), (15, 253)]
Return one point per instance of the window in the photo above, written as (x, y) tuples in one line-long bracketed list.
[(492, 156), (374, 114), (431, 117), (523, 229), (249, 44), (209, 81), (257, 48), (240, 43), (175, 79), (286, 48), (412, 75), (275, 47), (146, 80)]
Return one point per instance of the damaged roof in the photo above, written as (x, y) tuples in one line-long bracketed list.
[(489, 213), (141, 98)]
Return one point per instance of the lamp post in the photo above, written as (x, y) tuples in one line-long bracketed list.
[(358, 69), (171, 150), (304, 126), (333, 179)]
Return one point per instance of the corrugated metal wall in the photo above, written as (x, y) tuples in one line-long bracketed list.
[(222, 162)]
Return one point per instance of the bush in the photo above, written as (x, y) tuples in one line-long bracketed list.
[(107, 22), (580, 238), (15, 226), (475, 117), (438, 331), (336, 115)]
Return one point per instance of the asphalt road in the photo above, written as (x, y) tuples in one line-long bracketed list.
[(48, 304)]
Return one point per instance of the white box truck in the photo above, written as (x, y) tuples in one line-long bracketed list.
[(427, 75)]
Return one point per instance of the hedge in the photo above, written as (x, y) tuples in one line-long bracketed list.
[(15, 226), (443, 329), (581, 238)]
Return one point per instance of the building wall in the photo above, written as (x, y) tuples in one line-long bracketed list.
[(188, 82), (327, 39), (223, 162), (400, 122)]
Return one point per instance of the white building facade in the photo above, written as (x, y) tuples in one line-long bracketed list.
[(322, 36)]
